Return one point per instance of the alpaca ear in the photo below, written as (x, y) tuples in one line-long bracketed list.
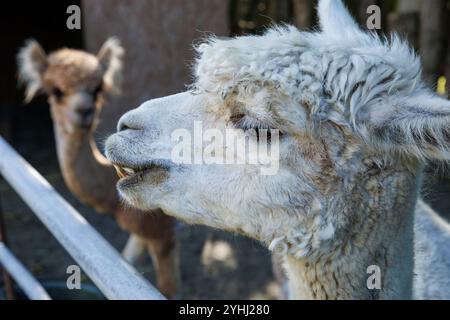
[(32, 63), (110, 58), (417, 126), (335, 19)]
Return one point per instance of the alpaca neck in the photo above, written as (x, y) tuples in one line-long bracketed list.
[(378, 237), (86, 172)]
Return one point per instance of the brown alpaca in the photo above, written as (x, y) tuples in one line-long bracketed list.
[(76, 83)]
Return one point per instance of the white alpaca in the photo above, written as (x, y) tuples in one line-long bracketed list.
[(357, 126)]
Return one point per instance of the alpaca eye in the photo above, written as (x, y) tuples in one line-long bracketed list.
[(237, 119), (259, 132), (241, 121), (57, 93), (97, 90)]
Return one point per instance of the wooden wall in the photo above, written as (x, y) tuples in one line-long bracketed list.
[(158, 37)]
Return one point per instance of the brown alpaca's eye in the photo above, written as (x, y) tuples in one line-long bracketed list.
[(97, 90), (57, 93)]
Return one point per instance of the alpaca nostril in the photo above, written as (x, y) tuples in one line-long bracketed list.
[(129, 121), (122, 127)]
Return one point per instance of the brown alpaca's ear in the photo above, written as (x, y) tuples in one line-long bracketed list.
[(417, 125), (110, 58), (32, 63)]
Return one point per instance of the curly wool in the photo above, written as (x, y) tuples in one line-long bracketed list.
[(345, 80)]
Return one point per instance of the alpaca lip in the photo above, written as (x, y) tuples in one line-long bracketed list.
[(124, 172), (127, 172)]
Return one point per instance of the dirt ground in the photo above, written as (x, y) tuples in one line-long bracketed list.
[(214, 264)]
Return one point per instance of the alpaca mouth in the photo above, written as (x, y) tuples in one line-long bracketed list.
[(125, 172)]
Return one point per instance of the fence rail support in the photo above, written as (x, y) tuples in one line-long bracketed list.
[(101, 262), (7, 280), (30, 286)]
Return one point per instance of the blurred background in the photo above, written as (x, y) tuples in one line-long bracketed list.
[(158, 37)]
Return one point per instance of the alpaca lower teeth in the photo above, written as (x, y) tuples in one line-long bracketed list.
[(120, 172), (128, 171)]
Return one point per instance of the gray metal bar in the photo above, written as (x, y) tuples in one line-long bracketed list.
[(102, 263), (30, 286)]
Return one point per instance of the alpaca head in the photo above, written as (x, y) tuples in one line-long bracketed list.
[(74, 81), (348, 106)]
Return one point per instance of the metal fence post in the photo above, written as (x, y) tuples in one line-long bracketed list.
[(7, 280)]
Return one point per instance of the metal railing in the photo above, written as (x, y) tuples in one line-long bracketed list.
[(30, 286), (115, 278)]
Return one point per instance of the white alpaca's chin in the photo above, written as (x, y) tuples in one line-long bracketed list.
[(140, 188), (137, 199)]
